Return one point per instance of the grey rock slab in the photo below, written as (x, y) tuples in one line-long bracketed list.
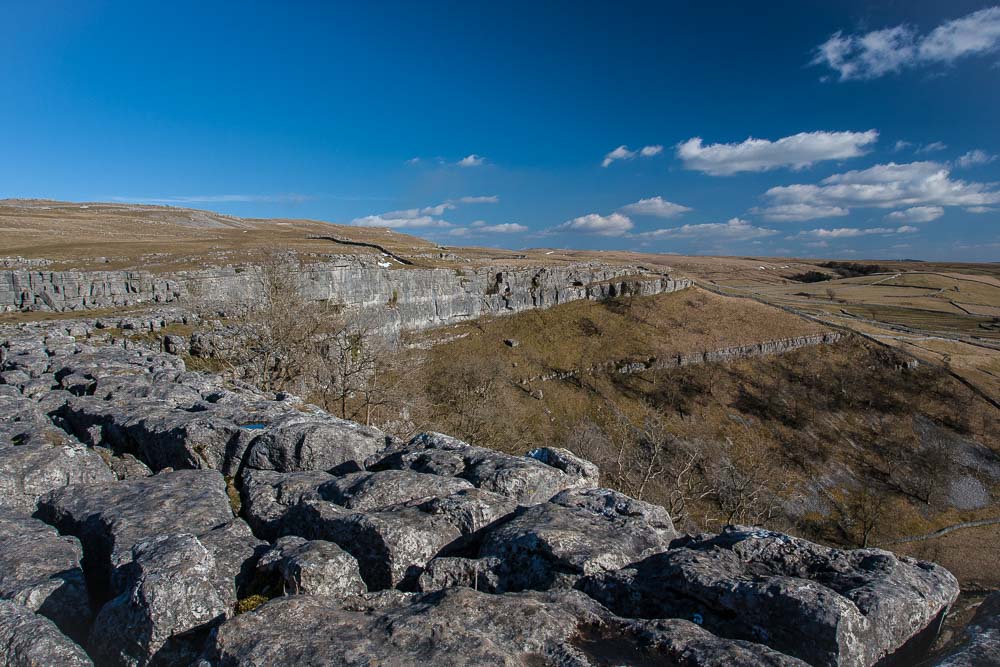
[(371, 490), (41, 570), (460, 626), (525, 479), (267, 497), (391, 545), (618, 506), (312, 567), (30, 640), (981, 645), (30, 470), (552, 546), (301, 441), (481, 574), (822, 605), (109, 519), (170, 601)]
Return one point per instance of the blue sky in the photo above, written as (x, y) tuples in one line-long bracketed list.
[(590, 125)]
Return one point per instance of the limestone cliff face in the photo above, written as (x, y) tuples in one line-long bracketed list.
[(412, 298)]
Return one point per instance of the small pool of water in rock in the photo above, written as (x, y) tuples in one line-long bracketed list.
[(254, 426)]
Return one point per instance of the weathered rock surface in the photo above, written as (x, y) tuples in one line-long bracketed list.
[(109, 519), (553, 544), (29, 471), (41, 570), (981, 645), (825, 606), (525, 479), (312, 567), (371, 490), (30, 640), (267, 497), (459, 626), (83, 427), (391, 544), (171, 598), (314, 442)]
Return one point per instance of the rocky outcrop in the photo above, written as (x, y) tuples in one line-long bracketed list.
[(172, 593), (633, 366), (981, 644), (110, 519), (374, 550), (312, 567), (41, 570), (825, 606), (460, 626), (30, 640), (410, 298)]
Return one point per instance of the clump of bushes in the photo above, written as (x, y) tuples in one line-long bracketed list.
[(853, 269), (811, 277)]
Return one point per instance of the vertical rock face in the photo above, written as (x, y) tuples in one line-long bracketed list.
[(411, 298), (519, 559)]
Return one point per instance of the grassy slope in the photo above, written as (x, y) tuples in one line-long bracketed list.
[(815, 409)]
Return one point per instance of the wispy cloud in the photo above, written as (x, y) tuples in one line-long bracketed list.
[(734, 229), (797, 151), (615, 224), (472, 160), (502, 228), (425, 217), (874, 54), (917, 214), (623, 153), (489, 199), (933, 147), (387, 220), (657, 207), (800, 212), (854, 232), (974, 158), (891, 185), (216, 199)]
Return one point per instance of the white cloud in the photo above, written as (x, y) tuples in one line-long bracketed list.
[(917, 214), (797, 151), (800, 212), (734, 229), (973, 158), (615, 224), (426, 217), (889, 185), (472, 160), (980, 209), (932, 147), (503, 228), (901, 145), (490, 199), (854, 232), (386, 220), (880, 52), (623, 153), (657, 207)]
